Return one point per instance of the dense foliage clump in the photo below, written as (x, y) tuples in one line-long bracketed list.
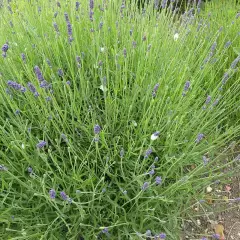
[(113, 120)]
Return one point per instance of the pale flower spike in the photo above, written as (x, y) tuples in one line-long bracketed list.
[(155, 135), (176, 36), (103, 88)]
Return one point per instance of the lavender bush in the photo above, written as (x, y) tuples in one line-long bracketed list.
[(123, 115)]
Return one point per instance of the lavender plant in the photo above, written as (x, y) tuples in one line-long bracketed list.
[(138, 106)]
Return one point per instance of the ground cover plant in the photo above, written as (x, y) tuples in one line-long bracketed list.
[(112, 117)]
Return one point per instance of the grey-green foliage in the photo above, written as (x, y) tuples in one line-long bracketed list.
[(123, 55)]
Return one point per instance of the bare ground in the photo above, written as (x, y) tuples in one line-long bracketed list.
[(224, 213)]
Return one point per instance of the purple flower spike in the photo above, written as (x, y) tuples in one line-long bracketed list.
[(154, 92), (227, 44), (164, 3), (149, 47), (49, 63), (187, 86), (162, 235), (70, 39), (91, 15), (38, 74), (78, 60), (91, 4), (203, 238), (205, 160), (235, 62), (225, 78), (216, 236), (215, 102), (17, 112), (97, 129), (100, 63), (208, 100), (64, 196), (66, 17), (199, 138), (23, 90), (105, 230), (3, 168), (68, 83), (145, 186), (60, 72), (148, 152), (56, 27), (125, 52), (213, 47), (58, 4), (16, 86), (69, 28), (5, 47), (48, 99), (158, 180), (52, 193), (77, 5), (151, 172), (44, 84), (100, 25), (10, 9), (33, 89), (122, 6), (41, 144)]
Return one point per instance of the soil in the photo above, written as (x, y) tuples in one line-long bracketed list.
[(220, 209), (231, 217), (225, 213)]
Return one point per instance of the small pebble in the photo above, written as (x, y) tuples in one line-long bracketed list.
[(209, 189)]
